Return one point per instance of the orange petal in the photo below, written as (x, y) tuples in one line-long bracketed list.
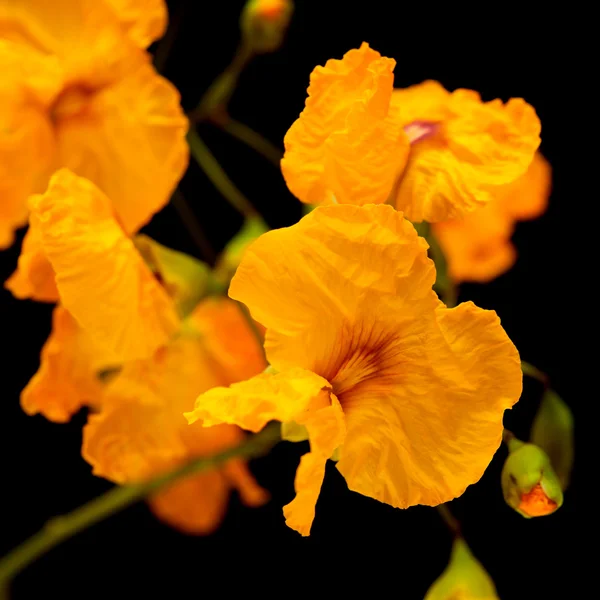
[(474, 150), (227, 336), (195, 505), (102, 280), (527, 198), (326, 430), (253, 403), (68, 375), (129, 139), (307, 283), (85, 35), (344, 147), (428, 428), (34, 277), (29, 83), (144, 20), (477, 247)]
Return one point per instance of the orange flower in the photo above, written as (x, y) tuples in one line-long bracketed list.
[(140, 431), (78, 92), (437, 154), (409, 394), (478, 247), (99, 275), (145, 20)]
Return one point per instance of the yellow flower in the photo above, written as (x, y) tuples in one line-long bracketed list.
[(477, 247), (464, 578), (437, 155), (140, 431), (368, 360), (99, 275), (144, 20), (77, 91)]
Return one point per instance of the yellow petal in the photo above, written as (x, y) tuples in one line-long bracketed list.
[(315, 278), (34, 277), (429, 428), (102, 280), (326, 430), (29, 83), (68, 375), (344, 147), (144, 20), (253, 403), (129, 139), (474, 149)]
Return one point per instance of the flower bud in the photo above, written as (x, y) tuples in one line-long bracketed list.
[(264, 23), (464, 577), (529, 483)]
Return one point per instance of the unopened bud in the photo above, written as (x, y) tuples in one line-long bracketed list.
[(264, 23), (464, 577), (529, 483)]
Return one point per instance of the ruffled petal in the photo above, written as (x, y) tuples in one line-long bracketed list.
[(326, 430), (29, 83), (102, 280), (129, 139), (308, 283), (253, 403), (34, 277), (144, 20), (427, 429), (68, 377), (344, 148), (473, 150)]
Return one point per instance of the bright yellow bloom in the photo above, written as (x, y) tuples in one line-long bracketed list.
[(140, 431), (478, 247), (78, 92), (436, 154), (100, 277), (409, 394)]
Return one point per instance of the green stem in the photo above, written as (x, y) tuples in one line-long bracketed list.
[(216, 98), (191, 223), (533, 372), (450, 520), (251, 138), (62, 528), (210, 165)]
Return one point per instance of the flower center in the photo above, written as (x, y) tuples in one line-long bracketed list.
[(71, 102), (419, 130)]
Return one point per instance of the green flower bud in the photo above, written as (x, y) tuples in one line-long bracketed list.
[(529, 483), (464, 578), (264, 23)]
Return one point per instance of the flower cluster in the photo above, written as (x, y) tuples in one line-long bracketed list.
[(346, 343)]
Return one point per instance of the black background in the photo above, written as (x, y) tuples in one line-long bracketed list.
[(357, 545)]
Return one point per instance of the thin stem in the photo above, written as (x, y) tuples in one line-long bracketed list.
[(531, 371), (217, 97), (210, 165), (251, 138), (191, 223), (450, 520), (118, 498)]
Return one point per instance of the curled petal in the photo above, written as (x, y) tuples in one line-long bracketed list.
[(253, 403), (102, 280), (344, 147), (144, 20), (475, 149)]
